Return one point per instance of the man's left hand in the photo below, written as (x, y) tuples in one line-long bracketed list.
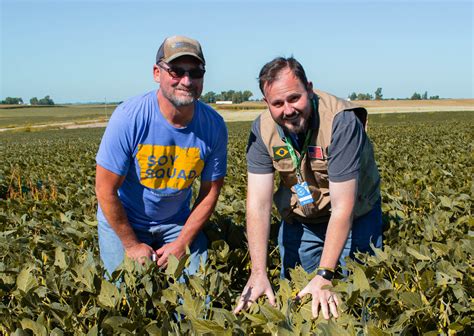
[(323, 299), (175, 248)]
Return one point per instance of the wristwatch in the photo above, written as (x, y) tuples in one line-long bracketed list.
[(326, 274)]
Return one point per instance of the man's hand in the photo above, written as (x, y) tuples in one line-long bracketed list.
[(139, 252), (257, 285), (175, 248), (323, 299)]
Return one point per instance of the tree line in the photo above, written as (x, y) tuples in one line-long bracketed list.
[(33, 101), (379, 96), (235, 96)]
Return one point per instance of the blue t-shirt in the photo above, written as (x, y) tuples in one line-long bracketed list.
[(159, 161)]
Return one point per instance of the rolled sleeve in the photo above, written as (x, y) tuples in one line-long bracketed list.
[(258, 159)]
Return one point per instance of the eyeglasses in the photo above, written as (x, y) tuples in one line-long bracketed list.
[(178, 72)]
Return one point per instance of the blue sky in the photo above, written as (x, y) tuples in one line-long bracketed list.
[(80, 51)]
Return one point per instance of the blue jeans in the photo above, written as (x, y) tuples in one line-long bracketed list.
[(112, 251), (302, 244)]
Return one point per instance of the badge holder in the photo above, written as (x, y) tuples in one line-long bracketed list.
[(302, 192)]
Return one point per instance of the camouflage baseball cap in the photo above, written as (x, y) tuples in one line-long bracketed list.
[(177, 46)]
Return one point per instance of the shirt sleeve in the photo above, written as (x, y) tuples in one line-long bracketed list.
[(216, 163), (347, 141), (116, 147), (258, 159)]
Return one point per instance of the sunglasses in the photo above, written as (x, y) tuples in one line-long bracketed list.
[(177, 72)]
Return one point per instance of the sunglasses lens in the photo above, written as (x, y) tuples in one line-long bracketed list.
[(177, 72), (196, 73)]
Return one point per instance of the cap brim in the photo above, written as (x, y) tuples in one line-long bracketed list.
[(177, 55)]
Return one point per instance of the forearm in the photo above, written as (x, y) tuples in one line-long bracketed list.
[(258, 232), (343, 196), (201, 212), (336, 235), (259, 205), (199, 216), (116, 216)]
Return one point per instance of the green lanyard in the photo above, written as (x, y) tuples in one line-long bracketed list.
[(297, 160), (294, 157)]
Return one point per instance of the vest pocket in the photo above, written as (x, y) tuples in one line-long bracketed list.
[(319, 171), (287, 171)]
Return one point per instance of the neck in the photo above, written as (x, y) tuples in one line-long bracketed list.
[(177, 116)]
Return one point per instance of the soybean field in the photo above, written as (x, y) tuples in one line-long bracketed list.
[(420, 283)]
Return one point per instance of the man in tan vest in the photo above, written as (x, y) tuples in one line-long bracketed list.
[(329, 193)]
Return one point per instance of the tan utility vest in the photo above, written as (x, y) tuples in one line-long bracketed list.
[(315, 171)]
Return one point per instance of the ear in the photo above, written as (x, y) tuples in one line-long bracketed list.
[(266, 101), (156, 73), (309, 88)]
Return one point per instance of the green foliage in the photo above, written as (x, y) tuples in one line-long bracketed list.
[(378, 94), (43, 101), (12, 101), (361, 96), (236, 97), (416, 96), (421, 282)]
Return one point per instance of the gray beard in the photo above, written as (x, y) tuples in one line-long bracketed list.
[(179, 101)]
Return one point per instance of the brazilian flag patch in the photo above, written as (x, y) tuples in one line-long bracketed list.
[(280, 152)]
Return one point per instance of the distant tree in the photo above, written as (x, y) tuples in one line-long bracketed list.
[(246, 95), (231, 95), (434, 97), (425, 95), (353, 96), (364, 96), (237, 97), (209, 97), (12, 101), (46, 101), (416, 96), (43, 101), (378, 94)]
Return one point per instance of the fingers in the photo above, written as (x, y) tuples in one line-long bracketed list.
[(315, 307), (302, 293), (161, 256), (325, 302), (250, 294), (240, 306), (160, 251), (328, 306), (333, 303), (324, 307), (140, 252), (245, 300), (270, 296), (163, 260)]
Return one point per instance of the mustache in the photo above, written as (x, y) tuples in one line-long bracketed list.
[(290, 116), (184, 88)]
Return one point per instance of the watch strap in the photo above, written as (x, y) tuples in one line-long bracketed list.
[(325, 273)]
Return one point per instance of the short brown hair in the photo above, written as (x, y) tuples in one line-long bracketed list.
[(270, 71)]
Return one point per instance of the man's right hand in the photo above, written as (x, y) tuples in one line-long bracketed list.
[(257, 285), (139, 252)]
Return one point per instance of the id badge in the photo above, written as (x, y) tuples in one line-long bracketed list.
[(303, 193)]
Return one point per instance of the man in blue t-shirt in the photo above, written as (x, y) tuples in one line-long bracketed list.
[(154, 147)]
